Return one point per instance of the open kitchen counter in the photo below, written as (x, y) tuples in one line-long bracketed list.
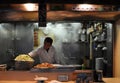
[(112, 80), (107, 80), (29, 82), (28, 77)]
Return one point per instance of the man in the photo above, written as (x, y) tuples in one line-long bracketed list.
[(46, 53)]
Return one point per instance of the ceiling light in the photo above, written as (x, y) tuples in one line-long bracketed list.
[(30, 7), (87, 7)]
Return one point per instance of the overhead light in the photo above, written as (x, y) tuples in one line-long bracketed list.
[(30, 7), (25, 7), (87, 7)]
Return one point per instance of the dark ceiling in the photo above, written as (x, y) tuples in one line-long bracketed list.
[(104, 2)]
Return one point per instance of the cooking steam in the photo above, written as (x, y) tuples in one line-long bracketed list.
[(66, 36)]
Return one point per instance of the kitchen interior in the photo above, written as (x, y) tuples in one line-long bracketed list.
[(83, 34)]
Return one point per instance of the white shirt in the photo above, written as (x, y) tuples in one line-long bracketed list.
[(45, 56)]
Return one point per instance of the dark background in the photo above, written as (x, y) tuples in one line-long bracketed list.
[(105, 2)]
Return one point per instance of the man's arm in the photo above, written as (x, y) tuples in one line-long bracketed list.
[(33, 53)]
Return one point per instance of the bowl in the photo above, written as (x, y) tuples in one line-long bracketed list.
[(41, 79), (23, 65)]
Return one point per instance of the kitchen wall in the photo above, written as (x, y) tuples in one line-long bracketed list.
[(15, 39), (117, 51)]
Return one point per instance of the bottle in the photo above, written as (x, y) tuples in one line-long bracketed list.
[(83, 66)]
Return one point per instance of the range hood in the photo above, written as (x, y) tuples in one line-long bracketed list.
[(14, 12)]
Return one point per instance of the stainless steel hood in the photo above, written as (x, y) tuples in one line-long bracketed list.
[(8, 16), (15, 13)]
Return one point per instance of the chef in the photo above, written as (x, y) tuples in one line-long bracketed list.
[(46, 53)]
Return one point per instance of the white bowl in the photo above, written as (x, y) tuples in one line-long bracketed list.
[(41, 78)]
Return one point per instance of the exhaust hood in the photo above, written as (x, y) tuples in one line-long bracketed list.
[(16, 12)]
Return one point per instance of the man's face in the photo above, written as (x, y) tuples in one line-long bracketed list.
[(47, 45)]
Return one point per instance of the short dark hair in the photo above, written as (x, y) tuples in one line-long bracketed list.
[(48, 40)]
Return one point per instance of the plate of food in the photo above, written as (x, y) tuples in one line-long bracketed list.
[(44, 66)]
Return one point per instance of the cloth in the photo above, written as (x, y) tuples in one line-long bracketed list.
[(45, 56)]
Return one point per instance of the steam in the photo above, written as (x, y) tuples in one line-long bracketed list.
[(65, 33)]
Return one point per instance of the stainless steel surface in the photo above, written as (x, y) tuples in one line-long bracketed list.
[(23, 38), (6, 42), (15, 38)]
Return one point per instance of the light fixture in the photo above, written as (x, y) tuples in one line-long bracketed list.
[(30, 7), (87, 7), (25, 7)]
